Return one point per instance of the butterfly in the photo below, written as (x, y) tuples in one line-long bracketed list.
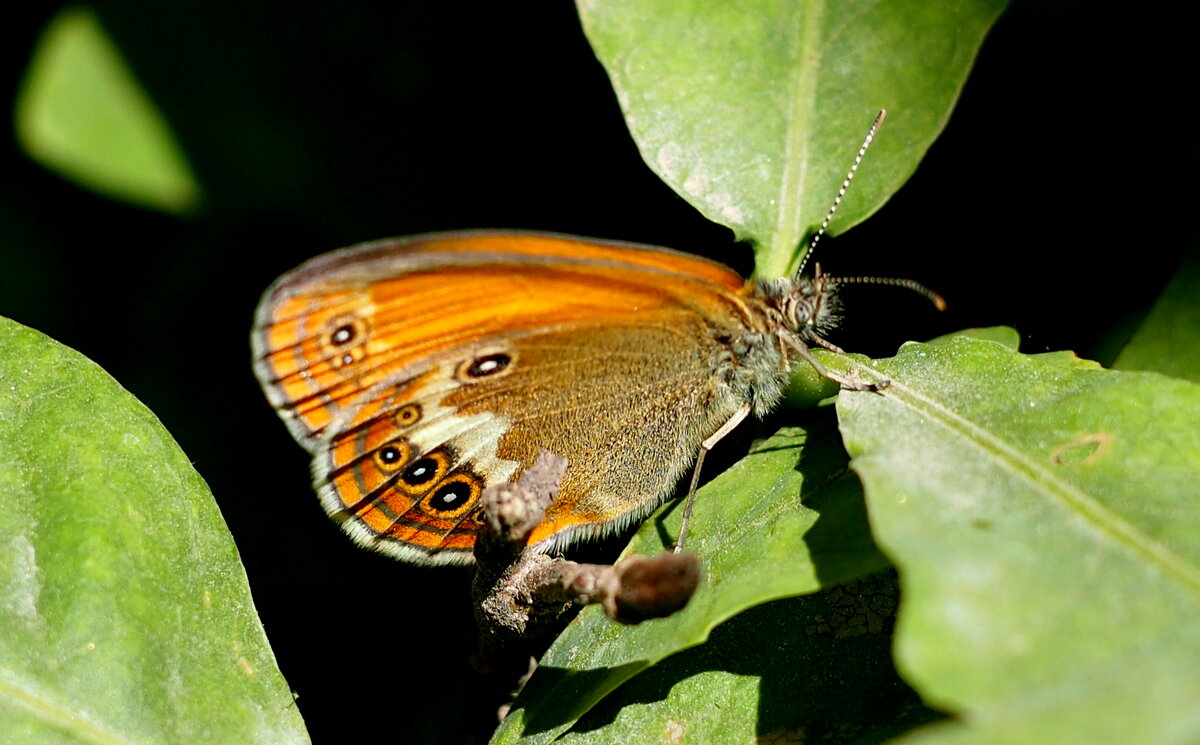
[(419, 371)]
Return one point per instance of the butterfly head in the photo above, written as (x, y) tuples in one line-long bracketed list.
[(806, 308), (810, 306)]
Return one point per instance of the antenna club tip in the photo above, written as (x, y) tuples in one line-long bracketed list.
[(939, 302)]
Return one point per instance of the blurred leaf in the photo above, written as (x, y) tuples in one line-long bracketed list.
[(81, 112), (1042, 513), (124, 612), (1169, 338), (786, 520), (753, 111)]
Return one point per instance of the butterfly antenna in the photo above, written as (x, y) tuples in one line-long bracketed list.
[(837, 201), (938, 301)]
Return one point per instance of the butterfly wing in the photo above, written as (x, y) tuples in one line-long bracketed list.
[(420, 371)]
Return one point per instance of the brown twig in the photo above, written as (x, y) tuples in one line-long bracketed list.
[(521, 596)]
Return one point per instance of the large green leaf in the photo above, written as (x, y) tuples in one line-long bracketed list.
[(1168, 340), (82, 113), (1043, 515), (808, 669), (786, 520), (753, 110), (124, 612)]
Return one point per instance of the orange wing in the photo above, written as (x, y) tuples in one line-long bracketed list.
[(345, 321), (388, 362)]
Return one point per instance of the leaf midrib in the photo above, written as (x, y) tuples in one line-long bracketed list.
[(56, 714), (1048, 483), (802, 95)]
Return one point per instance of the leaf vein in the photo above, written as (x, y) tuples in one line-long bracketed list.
[(1073, 498)]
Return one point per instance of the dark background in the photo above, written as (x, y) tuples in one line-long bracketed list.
[(1056, 201)]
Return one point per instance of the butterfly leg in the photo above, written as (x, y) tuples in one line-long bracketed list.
[(851, 385), (705, 446)]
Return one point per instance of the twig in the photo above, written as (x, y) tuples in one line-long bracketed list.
[(521, 596)]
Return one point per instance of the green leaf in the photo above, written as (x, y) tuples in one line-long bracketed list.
[(786, 520), (1169, 338), (808, 669), (1042, 513), (81, 112), (753, 111), (1003, 335), (124, 612)]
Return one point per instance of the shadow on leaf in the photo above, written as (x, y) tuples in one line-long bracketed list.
[(815, 668)]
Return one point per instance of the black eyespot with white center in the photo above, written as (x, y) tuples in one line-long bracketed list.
[(344, 340), (489, 364), (451, 496), (343, 335), (420, 472), (390, 454)]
